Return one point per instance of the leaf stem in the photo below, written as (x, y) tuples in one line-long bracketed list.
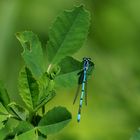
[(48, 70)]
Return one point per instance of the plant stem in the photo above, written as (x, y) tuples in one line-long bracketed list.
[(43, 109), (48, 70)]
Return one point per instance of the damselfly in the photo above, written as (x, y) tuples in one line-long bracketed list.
[(88, 66)]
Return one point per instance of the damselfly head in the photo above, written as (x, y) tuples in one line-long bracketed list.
[(89, 63), (87, 59)]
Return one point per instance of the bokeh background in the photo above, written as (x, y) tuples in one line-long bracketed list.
[(113, 111)]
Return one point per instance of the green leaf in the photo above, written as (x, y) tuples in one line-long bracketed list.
[(67, 34), (43, 86), (54, 71), (67, 80), (41, 138), (68, 74), (22, 128), (28, 88), (2, 119), (11, 124), (55, 120), (46, 89), (46, 99), (7, 131), (29, 135), (4, 97), (18, 128), (32, 53), (3, 133), (136, 135), (3, 110), (69, 64), (3, 115), (19, 111)]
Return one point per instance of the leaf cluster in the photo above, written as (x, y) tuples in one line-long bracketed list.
[(37, 85)]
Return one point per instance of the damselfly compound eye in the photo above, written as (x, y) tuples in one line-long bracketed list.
[(89, 59), (84, 58)]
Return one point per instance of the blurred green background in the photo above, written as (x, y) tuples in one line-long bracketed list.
[(113, 111)]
